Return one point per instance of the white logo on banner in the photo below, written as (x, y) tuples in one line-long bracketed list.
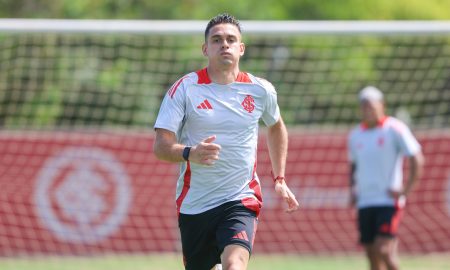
[(82, 194)]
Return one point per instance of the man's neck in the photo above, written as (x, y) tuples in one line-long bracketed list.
[(371, 124), (223, 75), (376, 122)]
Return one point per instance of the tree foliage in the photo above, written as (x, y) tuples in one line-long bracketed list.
[(62, 80), (244, 10)]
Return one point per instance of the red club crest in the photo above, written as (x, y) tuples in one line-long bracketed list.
[(248, 103), (380, 141)]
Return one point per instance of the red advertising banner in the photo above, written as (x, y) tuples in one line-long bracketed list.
[(89, 193)]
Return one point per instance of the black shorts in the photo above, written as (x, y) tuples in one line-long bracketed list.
[(378, 221), (204, 236)]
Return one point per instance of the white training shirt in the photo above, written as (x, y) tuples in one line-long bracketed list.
[(195, 108), (378, 154)]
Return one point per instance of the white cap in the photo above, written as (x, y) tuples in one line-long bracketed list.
[(370, 93)]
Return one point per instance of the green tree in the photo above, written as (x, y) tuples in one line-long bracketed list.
[(244, 10)]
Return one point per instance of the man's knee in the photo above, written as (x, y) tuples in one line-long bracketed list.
[(385, 247), (235, 257)]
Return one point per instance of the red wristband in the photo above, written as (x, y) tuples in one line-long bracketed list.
[(278, 178)]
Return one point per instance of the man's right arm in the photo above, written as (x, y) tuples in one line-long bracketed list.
[(167, 148), (352, 184)]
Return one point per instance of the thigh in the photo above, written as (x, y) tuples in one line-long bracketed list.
[(198, 240), (237, 227), (385, 245), (387, 221), (366, 225)]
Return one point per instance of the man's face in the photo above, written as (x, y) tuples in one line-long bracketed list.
[(372, 110), (223, 45)]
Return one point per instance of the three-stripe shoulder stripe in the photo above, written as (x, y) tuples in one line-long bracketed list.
[(174, 87)]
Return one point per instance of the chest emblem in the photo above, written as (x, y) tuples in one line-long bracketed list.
[(205, 105), (380, 141), (248, 104)]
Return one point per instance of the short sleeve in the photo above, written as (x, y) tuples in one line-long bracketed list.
[(172, 110), (271, 113), (407, 143)]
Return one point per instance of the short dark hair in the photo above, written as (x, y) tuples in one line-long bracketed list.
[(220, 19)]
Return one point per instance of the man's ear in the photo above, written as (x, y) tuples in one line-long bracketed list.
[(204, 49), (242, 47)]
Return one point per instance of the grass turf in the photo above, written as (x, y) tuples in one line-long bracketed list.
[(258, 262)]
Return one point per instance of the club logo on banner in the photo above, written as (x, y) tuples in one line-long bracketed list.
[(82, 194)]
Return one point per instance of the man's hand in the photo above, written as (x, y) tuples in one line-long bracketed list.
[(206, 152), (352, 201), (283, 190), (396, 194)]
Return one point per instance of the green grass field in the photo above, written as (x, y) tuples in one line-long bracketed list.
[(258, 262)]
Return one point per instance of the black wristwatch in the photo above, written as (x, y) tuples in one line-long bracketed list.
[(186, 152)]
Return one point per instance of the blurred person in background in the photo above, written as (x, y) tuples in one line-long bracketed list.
[(377, 148), (208, 122)]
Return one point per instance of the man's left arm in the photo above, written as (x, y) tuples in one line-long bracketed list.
[(277, 142), (411, 148), (416, 163)]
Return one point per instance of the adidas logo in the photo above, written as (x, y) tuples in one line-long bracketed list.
[(205, 105), (241, 235), (385, 228)]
